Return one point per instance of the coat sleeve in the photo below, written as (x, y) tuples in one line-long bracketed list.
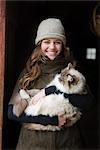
[(84, 102), (15, 98), (50, 90), (23, 118)]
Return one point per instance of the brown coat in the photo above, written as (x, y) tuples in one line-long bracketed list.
[(66, 139)]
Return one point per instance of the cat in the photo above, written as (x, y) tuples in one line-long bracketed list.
[(69, 81)]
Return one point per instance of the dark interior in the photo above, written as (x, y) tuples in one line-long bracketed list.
[(22, 19)]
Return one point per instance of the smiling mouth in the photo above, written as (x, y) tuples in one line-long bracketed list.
[(51, 52)]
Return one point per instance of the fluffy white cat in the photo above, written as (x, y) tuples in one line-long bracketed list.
[(69, 81)]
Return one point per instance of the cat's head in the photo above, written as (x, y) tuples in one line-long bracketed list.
[(72, 79)]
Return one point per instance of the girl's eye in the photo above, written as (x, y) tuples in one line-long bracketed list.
[(46, 42), (55, 42), (58, 42)]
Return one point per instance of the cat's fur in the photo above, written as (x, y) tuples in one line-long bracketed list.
[(69, 81)]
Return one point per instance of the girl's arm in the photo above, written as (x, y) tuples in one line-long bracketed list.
[(23, 118), (83, 101)]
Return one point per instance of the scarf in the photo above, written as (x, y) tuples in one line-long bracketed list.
[(48, 71)]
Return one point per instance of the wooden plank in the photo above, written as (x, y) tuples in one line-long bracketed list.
[(2, 52)]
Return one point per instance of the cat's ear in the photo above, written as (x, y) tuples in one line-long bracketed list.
[(70, 65), (65, 70)]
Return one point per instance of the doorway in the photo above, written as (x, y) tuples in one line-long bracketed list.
[(22, 19)]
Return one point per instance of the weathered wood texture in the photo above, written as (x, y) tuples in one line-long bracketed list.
[(2, 52)]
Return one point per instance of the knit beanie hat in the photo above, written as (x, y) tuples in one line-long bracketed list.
[(50, 28)]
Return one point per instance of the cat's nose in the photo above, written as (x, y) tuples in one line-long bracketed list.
[(69, 78)]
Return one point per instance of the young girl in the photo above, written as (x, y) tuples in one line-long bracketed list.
[(48, 58)]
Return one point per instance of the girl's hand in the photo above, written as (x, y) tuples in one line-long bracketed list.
[(61, 120), (37, 97), (19, 107)]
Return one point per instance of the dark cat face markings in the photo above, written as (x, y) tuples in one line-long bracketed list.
[(72, 79), (68, 77)]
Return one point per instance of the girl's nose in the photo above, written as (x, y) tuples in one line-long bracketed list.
[(52, 46)]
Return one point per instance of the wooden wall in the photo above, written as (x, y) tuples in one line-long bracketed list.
[(2, 52)]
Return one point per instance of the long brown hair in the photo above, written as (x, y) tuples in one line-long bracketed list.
[(33, 69)]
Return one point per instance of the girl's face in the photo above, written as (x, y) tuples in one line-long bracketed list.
[(51, 48)]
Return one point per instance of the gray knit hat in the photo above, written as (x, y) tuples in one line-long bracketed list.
[(50, 28)]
